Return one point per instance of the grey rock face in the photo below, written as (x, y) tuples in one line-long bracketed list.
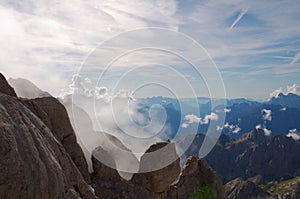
[(33, 162)]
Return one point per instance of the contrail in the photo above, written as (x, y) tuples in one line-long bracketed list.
[(238, 18), (296, 58)]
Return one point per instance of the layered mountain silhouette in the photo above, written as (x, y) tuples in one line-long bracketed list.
[(253, 154), (289, 100)]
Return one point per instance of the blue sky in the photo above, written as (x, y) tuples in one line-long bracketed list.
[(255, 44)]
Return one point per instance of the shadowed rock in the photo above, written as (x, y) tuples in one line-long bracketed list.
[(34, 163), (55, 117), (196, 173), (5, 88), (240, 189), (161, 179), (155, 184)]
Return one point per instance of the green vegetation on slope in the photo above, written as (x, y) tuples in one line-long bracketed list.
[(204, 193), (280, 187)]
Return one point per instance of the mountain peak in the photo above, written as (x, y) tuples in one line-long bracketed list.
[(26, 89), (256, 135)]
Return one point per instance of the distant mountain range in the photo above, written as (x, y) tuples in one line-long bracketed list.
[(253, 154), (276, 116), (290, 100)]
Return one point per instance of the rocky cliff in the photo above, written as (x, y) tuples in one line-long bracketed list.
[(168, 182), (35, 161)]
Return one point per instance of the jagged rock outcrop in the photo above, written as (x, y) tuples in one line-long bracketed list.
[(195, 174), (240, 189), (33, 162), (159, 180), (167, 182)]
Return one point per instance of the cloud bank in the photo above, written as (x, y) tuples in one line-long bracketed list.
[(294, 89), (119, 114)]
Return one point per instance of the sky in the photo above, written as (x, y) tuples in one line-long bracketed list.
[(255, 45)]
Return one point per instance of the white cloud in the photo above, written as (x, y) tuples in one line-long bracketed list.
[(118, 114), (227, 110), (294, 134), (283, 109), (52, 39), (276, 93), (294, 89), (267, 132), (207, 118), (267, 114), (232, 128), (236, 130), (190, 119), (258, 127)]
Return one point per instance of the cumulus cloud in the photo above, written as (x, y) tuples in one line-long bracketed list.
[(267, 132), (276, 93), (232, 128), (294, 89), (267, 114), (294, 134), (227, 110), (189, 119), (226, 125), (236, 130)]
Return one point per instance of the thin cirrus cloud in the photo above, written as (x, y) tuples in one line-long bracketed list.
[(55, 37)]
